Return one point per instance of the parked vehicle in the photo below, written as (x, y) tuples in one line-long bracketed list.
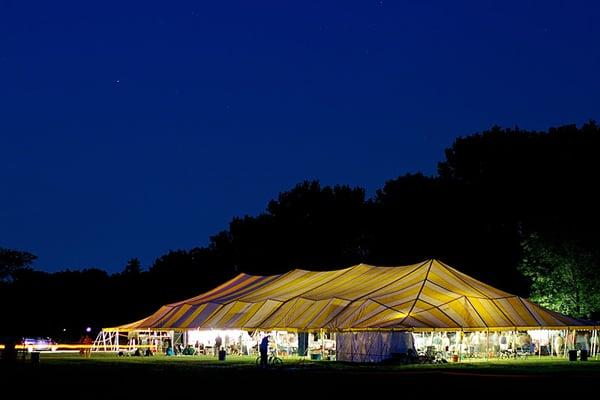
[(39, 344)]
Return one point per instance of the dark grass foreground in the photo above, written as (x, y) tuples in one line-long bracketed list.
[(109, 376)]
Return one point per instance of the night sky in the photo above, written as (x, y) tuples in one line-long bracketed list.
[(128, 129)]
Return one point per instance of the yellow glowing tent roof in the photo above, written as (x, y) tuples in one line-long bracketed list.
[(421, 297)]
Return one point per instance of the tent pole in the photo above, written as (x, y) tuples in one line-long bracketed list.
[(351, 345), (487, 344), (596, 341), (562, 332), (460, 334), (322, 344)]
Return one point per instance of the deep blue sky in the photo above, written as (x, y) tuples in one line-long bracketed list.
[(131, 128)]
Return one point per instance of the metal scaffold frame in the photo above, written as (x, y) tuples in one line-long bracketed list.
[(110, 341)]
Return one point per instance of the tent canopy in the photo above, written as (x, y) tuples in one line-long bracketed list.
[(420, 297)]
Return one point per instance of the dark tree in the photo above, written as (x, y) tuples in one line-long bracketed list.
[(183, 273), (11, 261), (541, 181), (309, 226), (493, 189), (518, 182), (133, 267)]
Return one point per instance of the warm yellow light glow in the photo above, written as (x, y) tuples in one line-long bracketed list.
[(539, 334), (207, 338), (66, 346)]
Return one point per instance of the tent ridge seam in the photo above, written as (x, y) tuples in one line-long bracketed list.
[(420, 290)]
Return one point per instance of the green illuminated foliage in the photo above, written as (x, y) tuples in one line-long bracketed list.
[(564, 277)]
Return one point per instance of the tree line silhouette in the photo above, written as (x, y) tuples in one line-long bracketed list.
[(492, 191)]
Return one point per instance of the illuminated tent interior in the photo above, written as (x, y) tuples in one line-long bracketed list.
[(421, 297), (371, 310)]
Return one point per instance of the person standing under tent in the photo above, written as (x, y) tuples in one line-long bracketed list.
[(582, 341), (445, 343), (570, 340), (218, 343), (503, 343), (559, 342), (264, 351)]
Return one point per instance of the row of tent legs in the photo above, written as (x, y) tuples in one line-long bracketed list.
[(447, 345)]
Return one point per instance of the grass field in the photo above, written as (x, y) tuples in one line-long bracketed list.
[(105, 375)]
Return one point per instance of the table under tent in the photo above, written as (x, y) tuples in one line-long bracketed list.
[(365, 314)]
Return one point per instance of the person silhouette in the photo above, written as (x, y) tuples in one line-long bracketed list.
[(218, 343), (86, 348), (264, 352), (559, 342)]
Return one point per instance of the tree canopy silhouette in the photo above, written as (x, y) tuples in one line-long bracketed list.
[(492, 190), (309, 226), (11, 261)]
